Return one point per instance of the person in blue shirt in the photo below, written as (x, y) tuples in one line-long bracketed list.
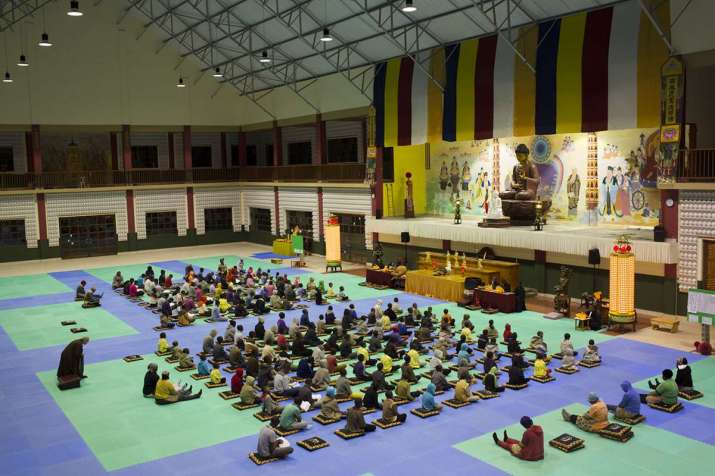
[(428, 403), (630, 405), (203, 367)]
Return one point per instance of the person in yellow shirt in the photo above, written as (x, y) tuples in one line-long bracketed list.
[(462, 393), (467, 333), (540, 369), (163, 344), (386, 362), (385, 322), (166, 392), (216, 376), (362, 350), (223, 305), (414, 359)]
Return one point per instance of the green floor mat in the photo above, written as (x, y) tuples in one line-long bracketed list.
[(350, 282), (37, 327), (650, 451), (703, 372), (32, 285), (122, 428), (212, 262), (128, 271)]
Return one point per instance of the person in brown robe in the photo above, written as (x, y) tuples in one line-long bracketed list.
[(72, 359)]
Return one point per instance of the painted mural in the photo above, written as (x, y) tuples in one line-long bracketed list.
[(626, 165)]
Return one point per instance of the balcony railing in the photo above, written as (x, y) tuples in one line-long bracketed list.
[(113, 178), (696, 165)]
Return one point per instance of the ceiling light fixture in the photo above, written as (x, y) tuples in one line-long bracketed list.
[(409, 6), (264, 57), (180, 84), (217, 73), (326, 35), (74, 10), (7, 78), (23, 61), (44, 40)]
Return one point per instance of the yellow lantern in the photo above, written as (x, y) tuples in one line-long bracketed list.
[(622, 308), (332, 242)]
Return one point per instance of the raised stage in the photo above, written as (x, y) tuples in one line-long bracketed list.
[(558, 237)]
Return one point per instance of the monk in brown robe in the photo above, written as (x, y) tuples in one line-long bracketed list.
[(72, 359)]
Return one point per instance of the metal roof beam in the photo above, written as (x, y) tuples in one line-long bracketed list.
[(13, 11)]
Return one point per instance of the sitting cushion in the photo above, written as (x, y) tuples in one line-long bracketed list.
[(676, 407), (386, 425), (400, 401), (259, 460), (452, 403), (617, 432), (312, 444), (278, 398), (632, 421), (228, 395), (422, 413), (68, 323), (542, 379), (281, 432), (517, 387), (171, 360), (558, 356), (589, 365), (184, 369), (485, 395), (162, 354), (567, 443), (343, 398), (690, 394), (264, 416), (240, 406), (349, 436), (132, 358), (199, 377), (68, 382), (76, 330), (323, 420), (490, 311), (568, 371), (222, 383)]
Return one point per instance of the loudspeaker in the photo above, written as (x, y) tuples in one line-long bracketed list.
[(594, 257), (659, 233), (405, 237)]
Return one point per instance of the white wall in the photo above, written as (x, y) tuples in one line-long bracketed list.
[(160, 201), (258, 197), (16, 140), (59, 205), (693, 31), (22, 207), (299, 199), (216, 198), (352, 201)]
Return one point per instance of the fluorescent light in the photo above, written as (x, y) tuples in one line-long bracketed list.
[(409, 6), (23, 61), (74, 10), (7, 78), (180, 84), (217, 73), (326, 35), (45, 40), (264, 57)]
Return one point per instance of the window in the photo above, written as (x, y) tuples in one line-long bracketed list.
[(201, 156), (235, 159), (12, 232), (7, 164), (218, 219), (303, 219), (343, 150), (269, 154), (352, 224), (261, 220), (252, 155), (300, 153), (388, 164), (145, 157), (161, 223), (87, 231)]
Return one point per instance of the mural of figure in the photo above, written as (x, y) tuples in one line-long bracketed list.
[(454, 176), (609, 186), (573, 189), (623, 196), (466, 177), (487, 186), (479, 186), (443, 176)]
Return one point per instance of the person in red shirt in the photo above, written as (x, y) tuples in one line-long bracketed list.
[(531, 446), (237, 381), (704, 348)]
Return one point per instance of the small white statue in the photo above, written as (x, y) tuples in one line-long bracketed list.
[(495, 207), (448, 267)]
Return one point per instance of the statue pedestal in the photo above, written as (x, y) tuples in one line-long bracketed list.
[(523, 212), (494, 222)]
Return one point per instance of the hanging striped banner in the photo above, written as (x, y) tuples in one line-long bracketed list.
[(594, 71), (401, 97)]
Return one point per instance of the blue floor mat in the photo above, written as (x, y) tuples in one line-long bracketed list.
[(270, 255)]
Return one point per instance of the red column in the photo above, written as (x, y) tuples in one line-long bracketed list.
[(319, 155), (42, 216), (190, 207), (113, 148), (540, 256), (669, 215), (36, 151), (28, 153), (187, 148), (172, 157), (377, 189), (131, 227), (224, 160), (671, 270), (446, 245), (278, 212), (242, 149), (321, 224), (126, 148), (277, 145)]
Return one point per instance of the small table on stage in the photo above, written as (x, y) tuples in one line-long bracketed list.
[(378, 277), (283, 247), (505, 302)]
